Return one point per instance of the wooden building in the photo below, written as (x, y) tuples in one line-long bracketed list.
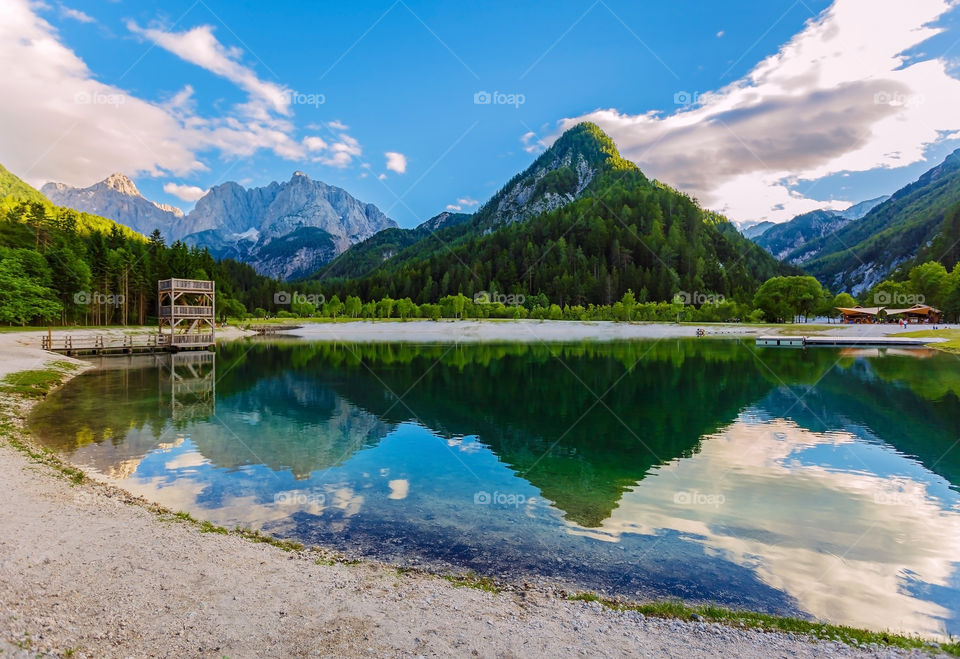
[(860, 314), (918, 313), (186, 314)]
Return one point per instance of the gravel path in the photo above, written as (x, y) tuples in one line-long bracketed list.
[(85, 572)]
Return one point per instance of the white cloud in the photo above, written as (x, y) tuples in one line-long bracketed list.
[(462, 202), (199, 46), (314, 143), (720, 34), (185, 192), (396, 162), (532, 143), (342, 152), (75, 14), (381, 177), (62, 124), (838, 97), (336, 124)]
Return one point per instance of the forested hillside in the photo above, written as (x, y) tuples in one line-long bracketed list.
[(621, 232), (61, 266)]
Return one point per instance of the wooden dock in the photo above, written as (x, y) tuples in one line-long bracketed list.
[(273, 329), (128, 344), (840, 341)]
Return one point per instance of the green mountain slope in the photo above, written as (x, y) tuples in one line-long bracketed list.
[(581, 225), (366, 256), (17, 199), (894, 233), (14, 189)]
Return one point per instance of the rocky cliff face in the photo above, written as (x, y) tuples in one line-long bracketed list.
[(116, 198), (282, 229)]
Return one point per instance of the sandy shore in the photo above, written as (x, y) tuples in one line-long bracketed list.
[(86, 571), (466, 331)]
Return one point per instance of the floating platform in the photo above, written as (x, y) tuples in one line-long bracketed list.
[(840, 341)]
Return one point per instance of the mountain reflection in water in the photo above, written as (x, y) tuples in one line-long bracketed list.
[(818, 481)]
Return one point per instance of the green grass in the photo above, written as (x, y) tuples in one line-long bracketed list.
[(952, 344), (35, 384), (471, 580), (766, 622), (40, 455)]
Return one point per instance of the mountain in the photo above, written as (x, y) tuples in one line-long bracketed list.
[(893, 234), (557, 177), (789, 241), (786, 241), (858, 211), (580, 225), (117, 198), (754, 231), (366, 256), (22, 204), (284, 230)]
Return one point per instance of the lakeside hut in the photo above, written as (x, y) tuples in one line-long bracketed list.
[(918, 313), (860, 314)]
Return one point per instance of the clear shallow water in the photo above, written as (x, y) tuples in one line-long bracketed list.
[(819, 482)]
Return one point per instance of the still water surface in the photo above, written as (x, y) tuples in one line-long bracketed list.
[(821, 482)]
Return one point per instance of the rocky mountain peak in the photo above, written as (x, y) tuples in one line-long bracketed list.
[(122, 184)]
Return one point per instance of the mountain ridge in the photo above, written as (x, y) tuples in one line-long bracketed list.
[(241, 223), (893, 234)]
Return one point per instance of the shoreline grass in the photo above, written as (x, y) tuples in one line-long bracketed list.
[(677, 610), (952, 344)]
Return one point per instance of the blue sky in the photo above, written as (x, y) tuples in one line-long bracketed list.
[(761, 110)]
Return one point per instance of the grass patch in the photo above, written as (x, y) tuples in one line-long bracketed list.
[(473, 581), (254, 535), (952, 344), (208, 527), (34, 384), (771, 623), (41, 455)]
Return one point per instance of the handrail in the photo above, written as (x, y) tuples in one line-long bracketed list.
[(185, 284), (186, 310)]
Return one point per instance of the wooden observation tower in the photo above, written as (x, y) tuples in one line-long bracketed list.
[(186, 314)]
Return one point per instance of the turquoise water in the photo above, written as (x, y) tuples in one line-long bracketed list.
[(821, 482)]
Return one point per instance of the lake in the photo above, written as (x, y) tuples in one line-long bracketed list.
[(818, 482)]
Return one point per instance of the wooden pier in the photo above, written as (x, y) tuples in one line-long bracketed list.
[(273, 329), (127, 345), (840, 341)]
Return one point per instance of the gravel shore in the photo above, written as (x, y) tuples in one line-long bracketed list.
[(85, 571)]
